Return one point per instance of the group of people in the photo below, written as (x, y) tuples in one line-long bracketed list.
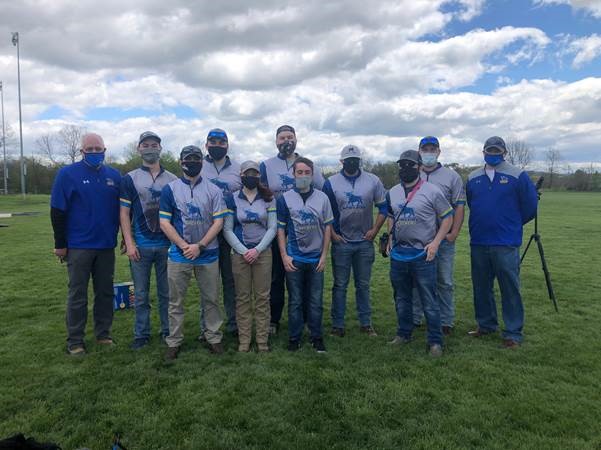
[(256, 230)]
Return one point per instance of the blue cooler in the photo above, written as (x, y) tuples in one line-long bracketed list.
[(124, 297)]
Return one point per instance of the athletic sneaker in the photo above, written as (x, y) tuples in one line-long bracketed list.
[(369, 330), (435, 350), (293, 345), (139, 343), (76, 350), (398, 340), (339, 332), (318, 345)]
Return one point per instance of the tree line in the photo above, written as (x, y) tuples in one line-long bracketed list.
[(54, 150)]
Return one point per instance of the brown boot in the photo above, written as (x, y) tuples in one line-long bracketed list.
[(216, 349), (171, 353)]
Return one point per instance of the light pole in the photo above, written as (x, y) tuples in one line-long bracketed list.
[(5, 169), (16, 44)]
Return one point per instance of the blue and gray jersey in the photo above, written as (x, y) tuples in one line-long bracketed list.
[(305, 223), (192, 210), (250, 219), (449, 182), (416, 225), (352, 200), (141, 192), (277, 174), (227, 178)]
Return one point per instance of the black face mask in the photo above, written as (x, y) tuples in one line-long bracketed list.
[(287, 148), (408, 174), (192, 168), (249, 182), (351, 165), (216, 152)]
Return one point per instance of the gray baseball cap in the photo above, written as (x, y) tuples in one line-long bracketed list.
[(410, 155), (149, 135), (350, 151), (247, 165), (190, 150), (495, 142)]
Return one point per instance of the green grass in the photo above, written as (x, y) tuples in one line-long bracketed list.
[(361, 394)]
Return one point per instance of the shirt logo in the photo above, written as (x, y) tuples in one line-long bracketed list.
[(287, 181), (407, 216), (353, 201), (86, 181), (220, 184), (109, 182), (251, 216), (307, 217), (154, 193), (503, 180), (194, 212)]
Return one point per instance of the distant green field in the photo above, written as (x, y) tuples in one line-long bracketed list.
[(361, 394)]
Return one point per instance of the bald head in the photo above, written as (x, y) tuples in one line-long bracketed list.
[(92, 142)]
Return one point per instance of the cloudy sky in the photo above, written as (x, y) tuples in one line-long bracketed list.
[(378, 74)]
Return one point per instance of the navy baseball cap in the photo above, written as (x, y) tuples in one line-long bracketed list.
[(429, 140), (149, 135), (495, 142), (190, 150), (217, 133), (285, 128)]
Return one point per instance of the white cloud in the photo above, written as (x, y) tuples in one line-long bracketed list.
[(592, 7), (585, 49)]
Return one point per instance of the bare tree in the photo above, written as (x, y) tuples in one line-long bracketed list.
[(45, 144), (69, 138), (519, 153), (552, 157)]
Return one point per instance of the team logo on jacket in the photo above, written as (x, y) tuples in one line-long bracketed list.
[(407, 216), (251, 216), (353, 201), (287, 181), (503, 180), (155, 194), (110, 182)]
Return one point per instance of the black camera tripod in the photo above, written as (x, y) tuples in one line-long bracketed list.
[(536, 237)]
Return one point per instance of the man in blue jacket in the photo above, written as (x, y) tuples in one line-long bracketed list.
[(501, 198), (84, 209)]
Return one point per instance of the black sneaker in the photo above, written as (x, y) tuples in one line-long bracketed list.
[(318, 345), (293, 345), (339, 332), (139, 343)]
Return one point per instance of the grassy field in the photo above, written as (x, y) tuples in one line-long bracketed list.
[(361, 394)]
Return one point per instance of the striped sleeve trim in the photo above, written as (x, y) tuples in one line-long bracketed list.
[(165, 214), (271, 210), (125, 202), (447, 213), (329, 221), (221, 213), (460, 202), (281, 224)]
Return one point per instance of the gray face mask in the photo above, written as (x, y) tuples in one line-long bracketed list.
[(303, 183), (151, 156)]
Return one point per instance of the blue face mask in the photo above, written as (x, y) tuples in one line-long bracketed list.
[(94, 159), (429, 159), (493, 160)]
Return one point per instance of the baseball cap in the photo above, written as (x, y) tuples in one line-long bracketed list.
[(429, 140), (217, 133), (285, 128), (494, 142), (149, 135), (410, 155), (350, 151), (189, 150), (247, 165)]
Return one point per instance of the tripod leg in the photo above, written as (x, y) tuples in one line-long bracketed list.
[(546, 272), (526, 249)]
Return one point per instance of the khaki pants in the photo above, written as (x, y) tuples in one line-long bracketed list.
[(252, 279), (207, 278)]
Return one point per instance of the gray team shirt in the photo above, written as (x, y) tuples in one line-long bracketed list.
[(279, 177), (227, 178), (449, 182), (417, 224), (353, 199)]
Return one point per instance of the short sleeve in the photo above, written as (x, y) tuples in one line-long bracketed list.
[(389, 210), (230, 204), (219, 208), (457, 190), (318, 179), (380, 197), (127, 191), (167, 204), (328, 216), (441, 205), (282, 212), (61, 191)]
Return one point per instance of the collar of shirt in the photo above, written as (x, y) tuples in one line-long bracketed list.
[(428, 172), (186, 181), (242, 195), (147, 169), (225, 165), (351, 178), (283, 158)]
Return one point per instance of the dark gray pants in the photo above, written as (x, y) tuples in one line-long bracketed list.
[(81, 263)]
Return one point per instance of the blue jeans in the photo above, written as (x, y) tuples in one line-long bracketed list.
[(502, 263), (140, 272), (422, 275), (444, 286), (360, 256), (305, 290)]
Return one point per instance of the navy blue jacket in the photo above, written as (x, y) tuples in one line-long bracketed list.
[(499, 208)]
